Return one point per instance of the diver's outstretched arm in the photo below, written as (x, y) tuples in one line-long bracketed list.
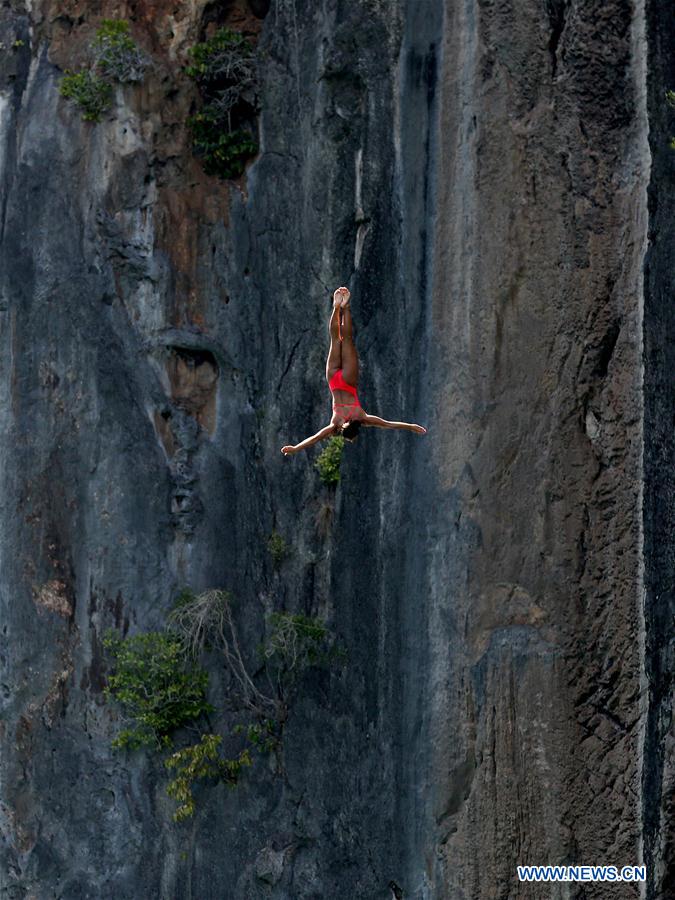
[(384, 423), (319, 436)]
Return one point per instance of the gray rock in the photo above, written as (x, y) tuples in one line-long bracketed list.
[(494, 183), (269, 865)]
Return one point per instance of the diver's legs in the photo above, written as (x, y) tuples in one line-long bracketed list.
[(334, 361), (350, 358)]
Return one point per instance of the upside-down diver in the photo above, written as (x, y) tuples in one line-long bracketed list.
[(342, 374)]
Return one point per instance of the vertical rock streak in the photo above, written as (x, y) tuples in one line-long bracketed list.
[(478, 170), (658, 781)]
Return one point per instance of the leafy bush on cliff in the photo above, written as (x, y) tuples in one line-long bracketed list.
[(114, 57), (328, 461), (278, 548), (116, 54), (91, 93), (224, 68), (295, 640), (264, 734), (158, 688), (199, 762), (223, 153), (292, 643), (161, 688)]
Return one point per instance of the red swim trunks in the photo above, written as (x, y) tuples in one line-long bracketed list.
[(338, 383)]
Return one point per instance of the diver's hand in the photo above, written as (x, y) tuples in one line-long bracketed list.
[(288, 450), (420, 429)]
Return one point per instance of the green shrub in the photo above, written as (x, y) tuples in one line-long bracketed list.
[(294, 643), (225, 59), (328, 461), (115, 57), (295, 640), (223, 153), (278, 548), (264, 734), (160, 687), (91, 93), (224, 68), (197, 762), (157, 686), (116, 54)]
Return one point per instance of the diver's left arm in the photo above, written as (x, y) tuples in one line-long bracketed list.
[(385, 423)]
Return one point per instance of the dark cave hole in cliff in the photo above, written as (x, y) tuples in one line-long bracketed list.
[(260, 8), (557, 10), (226, 13), (193, 357), (216, 14), (606, 348)]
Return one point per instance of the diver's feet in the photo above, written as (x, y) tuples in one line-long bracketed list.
[(341, 297)]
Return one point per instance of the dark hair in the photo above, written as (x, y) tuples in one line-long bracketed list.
[(351, 430)]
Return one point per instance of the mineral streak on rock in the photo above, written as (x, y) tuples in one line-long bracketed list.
[(52, 596), (494, 183)]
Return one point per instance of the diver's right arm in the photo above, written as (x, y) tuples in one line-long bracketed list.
[(319, 436)]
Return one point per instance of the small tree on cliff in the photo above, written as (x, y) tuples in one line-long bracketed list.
[(161, 688), (114, 58), (224, 68)]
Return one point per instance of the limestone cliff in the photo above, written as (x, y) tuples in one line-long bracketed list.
[(493, 181)]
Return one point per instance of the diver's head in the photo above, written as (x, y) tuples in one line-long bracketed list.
[(350, 429)]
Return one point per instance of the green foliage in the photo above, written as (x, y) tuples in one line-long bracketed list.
[(328, 461), (226, 56), (223, 153), (295, 641), (18, 43), (184, 598), (278, 548), (263, 735), (91, 93), (116, 53), (113, 31), (197, 762), (205, 621), (115, 58), (158, 688), (224, 69)]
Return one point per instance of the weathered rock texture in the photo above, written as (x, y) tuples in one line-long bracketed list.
[(480, 174)]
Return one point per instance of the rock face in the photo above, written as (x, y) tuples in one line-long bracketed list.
[(493, 181)]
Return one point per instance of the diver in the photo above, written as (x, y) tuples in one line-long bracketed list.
[(342, 374)]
